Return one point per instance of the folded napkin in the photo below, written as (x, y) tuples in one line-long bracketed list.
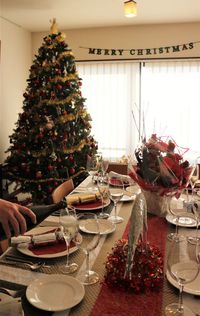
[(83, 198), (124, 178)]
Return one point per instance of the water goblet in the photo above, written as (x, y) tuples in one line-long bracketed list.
[(89, 229), (115, 192), (183, 268), (102, 185), (69, 227)]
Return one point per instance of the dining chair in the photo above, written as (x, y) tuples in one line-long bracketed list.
[(62, 190)]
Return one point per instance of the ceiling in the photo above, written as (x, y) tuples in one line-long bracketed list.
[(34, 15)]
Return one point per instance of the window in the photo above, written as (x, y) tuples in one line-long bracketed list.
[(111, 89), (170, 98), (166, 92)]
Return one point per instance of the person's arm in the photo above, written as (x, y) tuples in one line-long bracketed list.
[(11, 214)]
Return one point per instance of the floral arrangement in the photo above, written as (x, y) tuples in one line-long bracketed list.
[(147, 269), (160, 166)]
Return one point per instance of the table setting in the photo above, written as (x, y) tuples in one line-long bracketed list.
[(93, 299)]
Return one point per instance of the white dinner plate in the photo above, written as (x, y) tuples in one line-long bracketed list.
[(133, 189), (23, 248), (105, 226), (55, 292), (91, 206), (191, 288), (127, 198), (184, 220)]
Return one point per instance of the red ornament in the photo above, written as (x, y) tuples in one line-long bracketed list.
[(38, 175), (71, 170), (50, 167), (71, 157)]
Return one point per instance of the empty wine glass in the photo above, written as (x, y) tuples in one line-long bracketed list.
[(194, 178), (104, 166), (175, 209), (195, 209), (115, 192), (89, 229), (69, 227), (183, 268), (102, 185), (92, 165)]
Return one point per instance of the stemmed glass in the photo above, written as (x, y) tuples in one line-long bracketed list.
[(104, 166), (69, 227), (176, 212), (196, 211), (194, 178), (115, 192), (89, 229), (102, 185), (183, 268)]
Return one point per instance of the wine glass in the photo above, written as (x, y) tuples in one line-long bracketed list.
[(104, 166), (92, 165), (89, 229), (196, 211), (175, 208), (115, 192), (69, 227), (194, 178), (183, 268), (102, 185)]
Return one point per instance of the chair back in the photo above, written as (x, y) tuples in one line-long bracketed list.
[(62, 190)]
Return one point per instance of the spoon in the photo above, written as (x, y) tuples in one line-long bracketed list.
[(33, 266)]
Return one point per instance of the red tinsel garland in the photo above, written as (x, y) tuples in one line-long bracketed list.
[(147, 271)]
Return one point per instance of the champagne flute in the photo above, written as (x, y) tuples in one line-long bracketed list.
[(183, 268), (104, 166), (102, 185), (69, 226), (89, 228), (115, 192)]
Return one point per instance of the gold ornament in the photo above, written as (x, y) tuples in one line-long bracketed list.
[(54, 26)]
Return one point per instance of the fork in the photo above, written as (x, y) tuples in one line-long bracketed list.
[(33, 266), (22, 260), (12, 293)]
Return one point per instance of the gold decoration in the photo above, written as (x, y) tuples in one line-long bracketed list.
[(54, 26)]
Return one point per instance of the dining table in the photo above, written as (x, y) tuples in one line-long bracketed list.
[(100, 298)]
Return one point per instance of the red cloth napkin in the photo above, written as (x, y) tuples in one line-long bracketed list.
[(91, 205), (52, 247)]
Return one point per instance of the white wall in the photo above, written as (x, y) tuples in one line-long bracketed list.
[(16, 56), (130, 37)]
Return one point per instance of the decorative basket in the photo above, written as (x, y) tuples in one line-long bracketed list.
[(157, 204)]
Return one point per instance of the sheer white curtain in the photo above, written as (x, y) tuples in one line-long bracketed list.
[(170, 98), (111, 90)]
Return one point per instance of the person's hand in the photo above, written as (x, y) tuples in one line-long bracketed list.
[(11, 214)]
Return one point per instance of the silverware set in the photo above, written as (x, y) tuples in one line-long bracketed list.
[(34, 266)]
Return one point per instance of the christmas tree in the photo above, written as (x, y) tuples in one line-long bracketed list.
[(52, 139)]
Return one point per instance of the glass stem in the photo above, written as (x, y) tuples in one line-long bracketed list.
[(87, 265), (176, 230), (115, 205), (102, 204), (180, 299), (67, 245)]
